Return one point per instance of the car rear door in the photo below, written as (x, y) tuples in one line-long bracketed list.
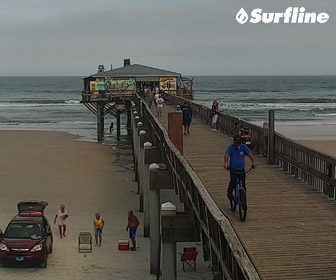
[(37, 206)]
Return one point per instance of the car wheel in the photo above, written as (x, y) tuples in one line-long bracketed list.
[(44, 263)]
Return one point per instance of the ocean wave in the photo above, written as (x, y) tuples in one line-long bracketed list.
[(72, 101), (34, 104), (291, 100), (279, 106), (239, 90), (325, 115)]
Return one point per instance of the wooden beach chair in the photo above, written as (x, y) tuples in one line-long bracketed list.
[(84, 242)]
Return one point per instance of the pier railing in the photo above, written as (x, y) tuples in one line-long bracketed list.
[(310, 166), (228, 256)]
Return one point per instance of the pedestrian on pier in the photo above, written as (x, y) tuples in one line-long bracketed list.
[(150, 98), (111, 127), (187, 116), (61, 216), (159, 105), (98, 223), (214, 115), (132, 227)]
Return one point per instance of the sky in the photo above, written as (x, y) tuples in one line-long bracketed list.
[(192, 37)]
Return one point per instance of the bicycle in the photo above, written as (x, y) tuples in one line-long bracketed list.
[(240, 199)]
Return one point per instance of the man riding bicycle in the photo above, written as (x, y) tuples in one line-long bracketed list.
[(236, 154)]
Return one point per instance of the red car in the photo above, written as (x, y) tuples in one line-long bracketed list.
[(28, 236)]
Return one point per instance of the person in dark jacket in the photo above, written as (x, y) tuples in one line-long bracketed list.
[(187, 116)]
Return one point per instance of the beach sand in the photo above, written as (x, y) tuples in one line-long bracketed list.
[(87, 178), (320, 137)]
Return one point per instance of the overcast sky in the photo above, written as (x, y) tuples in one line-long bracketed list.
[(193, 37)]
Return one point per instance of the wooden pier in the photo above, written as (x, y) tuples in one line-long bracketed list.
[(290, 228)]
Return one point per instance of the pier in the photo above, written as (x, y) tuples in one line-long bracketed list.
[(290, 228)]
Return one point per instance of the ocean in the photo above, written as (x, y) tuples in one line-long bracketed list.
[(53, 103)]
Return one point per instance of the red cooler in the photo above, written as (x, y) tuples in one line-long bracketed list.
[(123, 245)]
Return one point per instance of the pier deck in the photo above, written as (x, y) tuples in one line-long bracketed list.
[(290, 231)]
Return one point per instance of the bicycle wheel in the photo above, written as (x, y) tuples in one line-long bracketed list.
[(242, 205), (233, 200)]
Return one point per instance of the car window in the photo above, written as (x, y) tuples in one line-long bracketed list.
[(32, 231)]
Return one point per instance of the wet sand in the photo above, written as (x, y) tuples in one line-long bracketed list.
[(86, 177)]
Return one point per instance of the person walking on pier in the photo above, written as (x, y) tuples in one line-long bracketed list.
[(98, 224), (187, 116), (214, 115), (159, 105), (61, 216), (234, 160), (132, 227)]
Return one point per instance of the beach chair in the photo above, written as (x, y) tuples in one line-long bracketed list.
[(84, 242), (188, 257)]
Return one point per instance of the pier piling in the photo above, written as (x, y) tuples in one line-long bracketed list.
[(159, 178)]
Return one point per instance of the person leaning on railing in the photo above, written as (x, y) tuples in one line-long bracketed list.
[(234, 160)]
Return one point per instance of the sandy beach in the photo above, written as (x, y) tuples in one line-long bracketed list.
[(324, 146), (86, 177), (320, 137)]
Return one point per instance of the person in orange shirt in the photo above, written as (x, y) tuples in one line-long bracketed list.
[(132, 226), (98, 224)]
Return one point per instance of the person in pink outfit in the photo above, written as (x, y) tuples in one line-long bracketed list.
[(60, 218)]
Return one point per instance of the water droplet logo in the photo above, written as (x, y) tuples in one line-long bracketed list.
[(242, 16)]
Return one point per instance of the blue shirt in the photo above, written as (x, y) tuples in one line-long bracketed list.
[(237, 156)]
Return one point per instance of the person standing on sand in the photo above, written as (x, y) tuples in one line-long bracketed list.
[(98, 224), (132, 226), (61, 216)]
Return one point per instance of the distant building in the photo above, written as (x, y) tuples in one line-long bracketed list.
[(136, 78)]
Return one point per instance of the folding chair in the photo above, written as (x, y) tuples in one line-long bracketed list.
[(84, 242), (188, 257)]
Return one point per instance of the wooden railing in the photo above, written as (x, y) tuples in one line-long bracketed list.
[(221, 243), (310, 166)]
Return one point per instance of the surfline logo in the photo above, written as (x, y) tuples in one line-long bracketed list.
[(290, 15)]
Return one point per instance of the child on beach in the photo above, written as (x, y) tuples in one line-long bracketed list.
[(98, 224), (61, 216), (132, 226)]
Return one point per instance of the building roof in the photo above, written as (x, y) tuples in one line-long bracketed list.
[(136, 70)]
